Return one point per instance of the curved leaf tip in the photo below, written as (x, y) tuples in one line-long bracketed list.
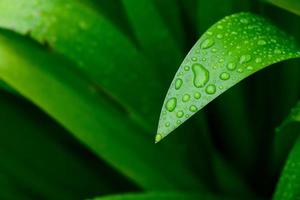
[(232, 49)]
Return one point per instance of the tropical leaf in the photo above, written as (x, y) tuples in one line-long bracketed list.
[(231, 50), (98, 51), (59, 90)]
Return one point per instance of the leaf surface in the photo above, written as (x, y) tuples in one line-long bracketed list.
[(231, 50)]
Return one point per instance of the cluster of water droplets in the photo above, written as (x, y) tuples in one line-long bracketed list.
[(231, 50)]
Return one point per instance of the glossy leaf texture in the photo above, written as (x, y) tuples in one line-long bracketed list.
[(288, 187), (290, 5), (162, 196), (40, 71), (100, 50), (231, 50)]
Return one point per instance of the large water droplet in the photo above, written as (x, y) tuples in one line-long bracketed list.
[(171, 104), (178, 83), (231, 66), (201, 75), (261, 42), (207, 43), (224, 76), (180, 114), (245, 58), (186, 98), (210, 89)]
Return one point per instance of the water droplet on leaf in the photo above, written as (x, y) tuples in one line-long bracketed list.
[(201, 75), (178, 83), (171, 104), (210, 89)]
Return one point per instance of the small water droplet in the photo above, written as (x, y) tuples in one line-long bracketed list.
[(244, 21), (186, 68), (193, 108), (180, 114), (224, 76), (231, 66), (261, 42), (277, 51), (245, 58), (158, 138), (201, 75), (240, 70), (219, 27), (197, 95), (167, 124), (207, 43), (210, 89), (178, 121), (178, 83), (186, 98), (219, 36), (171, 104), (250, 68), (258, 60)]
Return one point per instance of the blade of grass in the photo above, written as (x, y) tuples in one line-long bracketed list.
[(231, 50), (95, 121)]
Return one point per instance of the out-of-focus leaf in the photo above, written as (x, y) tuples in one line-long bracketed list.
[(288, 187), (39, 154), (231, 50), (290, 5), (100, 50), (10, 189), (154, 37), (162, 196), (71, 99)]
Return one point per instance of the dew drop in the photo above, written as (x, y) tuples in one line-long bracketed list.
[(231, 66), (167, 124), (261, 42), (158, 138), (186, 98), (224, 76), (219, 36), (186, 68), (178, 83), (207, 43), (171, 104), (197, 95), (178, 122), (193, 108), (250, 68), (258, 60), (245, 58), (180, 114), (240, 70), (210, 89), (244, 21), (201, 75), (277, 51)]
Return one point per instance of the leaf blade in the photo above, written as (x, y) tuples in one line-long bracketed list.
[(251, 44)]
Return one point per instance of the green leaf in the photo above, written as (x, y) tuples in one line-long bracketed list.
[(290, 5), (162, 196), (288, 187), (98, 49), (151, 32), (52, 83), (231, 50), (36, 151)]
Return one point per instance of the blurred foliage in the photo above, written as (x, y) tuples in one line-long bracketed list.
[(81, 87)]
